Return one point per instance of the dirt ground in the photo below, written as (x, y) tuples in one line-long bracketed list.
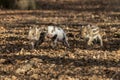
[(19, 62)]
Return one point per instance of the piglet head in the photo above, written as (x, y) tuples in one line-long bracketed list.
[(34, 33), (37, 33), (51, 31)]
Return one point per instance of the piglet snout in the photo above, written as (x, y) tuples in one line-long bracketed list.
[(49, 36)]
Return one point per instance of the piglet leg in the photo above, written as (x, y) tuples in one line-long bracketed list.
[(66, 43)]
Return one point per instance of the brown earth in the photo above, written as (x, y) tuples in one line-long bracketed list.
[(19, 62)]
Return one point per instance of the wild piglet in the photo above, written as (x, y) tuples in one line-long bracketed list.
[(57, 34), (36, 36)]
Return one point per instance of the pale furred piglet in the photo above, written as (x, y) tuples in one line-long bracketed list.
[(57, 34)]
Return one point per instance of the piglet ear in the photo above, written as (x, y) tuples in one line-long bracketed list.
[(29, 27), (44, 29), (83, 26), (38, 29)]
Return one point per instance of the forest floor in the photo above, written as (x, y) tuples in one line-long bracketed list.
[(19, 62)]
